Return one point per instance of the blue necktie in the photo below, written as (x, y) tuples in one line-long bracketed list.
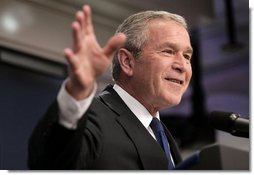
[(161, 139)]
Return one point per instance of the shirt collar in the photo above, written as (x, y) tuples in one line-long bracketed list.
[(135, 106)]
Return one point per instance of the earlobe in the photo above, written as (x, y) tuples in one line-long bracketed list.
[(126, 61)]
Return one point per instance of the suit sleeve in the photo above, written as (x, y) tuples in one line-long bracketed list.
[(52, 146)]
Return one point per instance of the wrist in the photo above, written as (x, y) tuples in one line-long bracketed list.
[(77, 91)]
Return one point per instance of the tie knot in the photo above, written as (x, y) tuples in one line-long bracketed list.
[(156, 125)]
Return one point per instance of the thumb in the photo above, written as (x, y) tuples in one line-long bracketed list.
[(113, 43)]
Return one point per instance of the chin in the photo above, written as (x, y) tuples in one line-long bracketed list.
[(171, 103)]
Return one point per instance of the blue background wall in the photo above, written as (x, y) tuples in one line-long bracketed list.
[(25, 96)]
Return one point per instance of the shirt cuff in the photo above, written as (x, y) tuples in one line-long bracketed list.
[(70, 109)]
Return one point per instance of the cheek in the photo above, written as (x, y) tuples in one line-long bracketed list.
[(189, 74), (148, 72)]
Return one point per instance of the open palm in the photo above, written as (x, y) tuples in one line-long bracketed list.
[(87, 58)]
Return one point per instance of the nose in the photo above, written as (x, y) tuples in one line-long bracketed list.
[(179, 64)]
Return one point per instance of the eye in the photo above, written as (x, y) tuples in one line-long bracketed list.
[(168, 51), (187, 57)]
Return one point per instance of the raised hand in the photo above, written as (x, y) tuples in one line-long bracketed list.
[(87, 58)]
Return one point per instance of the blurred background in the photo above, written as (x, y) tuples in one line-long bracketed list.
[(33, 34)]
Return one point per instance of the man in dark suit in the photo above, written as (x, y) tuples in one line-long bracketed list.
[(151, 69)]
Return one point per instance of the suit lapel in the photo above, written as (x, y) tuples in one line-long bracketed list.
[(150, 153)]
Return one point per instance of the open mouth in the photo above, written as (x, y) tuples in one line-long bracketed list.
[(180, 82)]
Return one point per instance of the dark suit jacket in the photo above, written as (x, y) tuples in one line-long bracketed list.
[(109, 136)]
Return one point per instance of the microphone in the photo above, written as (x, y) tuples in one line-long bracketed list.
[(230, 122)]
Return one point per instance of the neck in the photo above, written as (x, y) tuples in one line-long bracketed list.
[(129, 89)]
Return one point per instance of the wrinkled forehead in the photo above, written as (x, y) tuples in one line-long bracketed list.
[(161, 31)]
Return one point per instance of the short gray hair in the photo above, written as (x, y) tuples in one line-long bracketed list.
[(135, 29)]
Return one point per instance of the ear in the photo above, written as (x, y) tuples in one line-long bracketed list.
[(126, 61)]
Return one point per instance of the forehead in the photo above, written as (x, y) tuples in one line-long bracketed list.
[(161, 31)]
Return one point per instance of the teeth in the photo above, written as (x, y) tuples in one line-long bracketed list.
[(174, 80)]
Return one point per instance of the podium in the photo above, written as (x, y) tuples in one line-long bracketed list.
[(216, 157)]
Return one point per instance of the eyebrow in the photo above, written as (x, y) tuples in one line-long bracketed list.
[(173, 45)]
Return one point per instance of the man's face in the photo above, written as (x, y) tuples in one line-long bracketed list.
[(163, 71)]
